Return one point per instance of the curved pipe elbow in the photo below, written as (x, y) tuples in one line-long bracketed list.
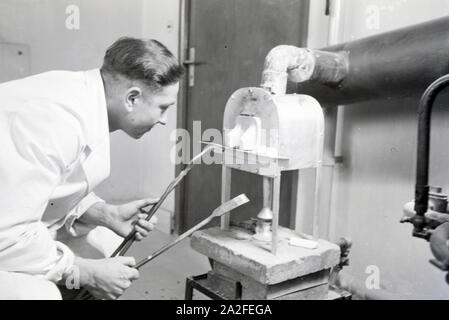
[(284, 62), (423, 146), (300, 65)]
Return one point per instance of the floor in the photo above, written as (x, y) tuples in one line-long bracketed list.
[(164, 277)]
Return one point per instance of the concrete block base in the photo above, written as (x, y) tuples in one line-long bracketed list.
[(236, 249)]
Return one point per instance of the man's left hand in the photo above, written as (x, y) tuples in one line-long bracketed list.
[(129, 217)]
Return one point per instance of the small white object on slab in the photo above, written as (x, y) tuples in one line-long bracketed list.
[(304, 243)]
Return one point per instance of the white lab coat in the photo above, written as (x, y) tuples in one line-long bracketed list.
[(54, 138)]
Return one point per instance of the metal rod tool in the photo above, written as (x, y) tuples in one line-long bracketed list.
[(224, 208)]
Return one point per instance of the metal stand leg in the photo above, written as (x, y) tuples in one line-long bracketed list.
[(225, 194), (189, 289), (198, 283), (267, 194), (275, 208), (316, 211)]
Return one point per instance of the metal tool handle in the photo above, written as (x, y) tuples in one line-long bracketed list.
[(170, 245)]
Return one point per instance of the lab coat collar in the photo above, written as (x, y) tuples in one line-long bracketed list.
[(98, 128), (97, 163)]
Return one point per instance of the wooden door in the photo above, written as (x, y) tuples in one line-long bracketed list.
[(231, 39)]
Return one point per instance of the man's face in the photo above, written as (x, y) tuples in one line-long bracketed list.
[(148, 108)]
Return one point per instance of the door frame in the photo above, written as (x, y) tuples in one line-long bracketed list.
[(181, 116)]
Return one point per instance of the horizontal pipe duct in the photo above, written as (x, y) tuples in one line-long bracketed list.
[(391, 65)]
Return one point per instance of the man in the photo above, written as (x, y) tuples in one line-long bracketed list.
[(54, 130)]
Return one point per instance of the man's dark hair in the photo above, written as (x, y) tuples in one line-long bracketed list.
[(141, 59)]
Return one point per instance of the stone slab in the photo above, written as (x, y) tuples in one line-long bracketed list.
[(235, 248)]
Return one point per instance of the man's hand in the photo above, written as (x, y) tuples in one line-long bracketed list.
[(107, 278), (122, 219), (129, 217)]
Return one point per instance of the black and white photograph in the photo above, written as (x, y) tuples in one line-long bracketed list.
[(252, 152)]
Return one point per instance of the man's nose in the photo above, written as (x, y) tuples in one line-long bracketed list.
[(163, 120)]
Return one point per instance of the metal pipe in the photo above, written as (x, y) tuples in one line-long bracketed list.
[(422, 162), (390, 65), (334, 37), (395, 64)]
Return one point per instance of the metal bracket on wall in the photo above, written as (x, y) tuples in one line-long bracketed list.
[(327, 12), (190, 63)]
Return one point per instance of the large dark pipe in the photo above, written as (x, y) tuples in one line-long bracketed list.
[(422, 163), (396, 64)]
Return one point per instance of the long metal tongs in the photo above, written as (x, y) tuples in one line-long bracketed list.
[(129, 240)]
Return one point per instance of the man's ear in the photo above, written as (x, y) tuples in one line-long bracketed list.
[(132, 96)]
